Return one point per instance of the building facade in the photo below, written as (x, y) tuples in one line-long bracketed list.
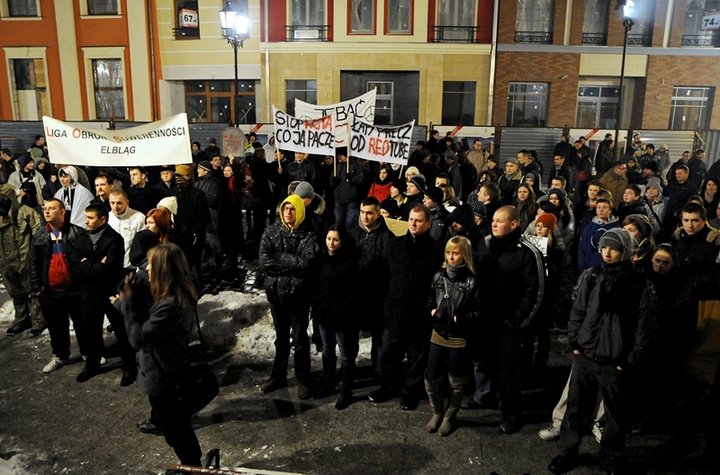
[(547, 63)]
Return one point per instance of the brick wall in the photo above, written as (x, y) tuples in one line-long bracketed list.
[(664, 72), (539, 67)]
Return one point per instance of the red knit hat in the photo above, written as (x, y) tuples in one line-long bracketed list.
[(548, 219)]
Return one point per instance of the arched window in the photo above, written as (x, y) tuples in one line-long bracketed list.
[(693, 34), (534, 21)]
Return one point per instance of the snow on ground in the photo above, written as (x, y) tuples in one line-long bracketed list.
[(235, 323)]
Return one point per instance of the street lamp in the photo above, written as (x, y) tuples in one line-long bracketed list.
[(235, 25), (628, 7)]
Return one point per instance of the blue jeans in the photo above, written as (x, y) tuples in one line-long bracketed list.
[(346, 339), (346, 214)]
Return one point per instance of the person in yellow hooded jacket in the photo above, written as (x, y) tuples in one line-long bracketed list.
[(287, 250)]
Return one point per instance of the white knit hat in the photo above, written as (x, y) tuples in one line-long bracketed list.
[(170, 203)]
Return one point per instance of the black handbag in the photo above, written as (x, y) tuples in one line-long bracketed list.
[(200, 385)]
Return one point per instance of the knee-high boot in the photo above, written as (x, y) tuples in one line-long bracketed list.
[(328, 384), (434, 392), (457, 387), (346, 382)]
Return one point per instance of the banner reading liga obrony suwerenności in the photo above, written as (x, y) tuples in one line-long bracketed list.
[(381, 144), (310, 136), (165, 142), (361, 107)]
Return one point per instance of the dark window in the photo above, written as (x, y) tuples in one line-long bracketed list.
[(458, 106), (691, 107), (527, 104), (22, 8), (305, 90), (108, 83), (212, 101), (595, 22), (102, 7)]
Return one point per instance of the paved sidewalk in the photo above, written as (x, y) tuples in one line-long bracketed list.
[(49, 424)]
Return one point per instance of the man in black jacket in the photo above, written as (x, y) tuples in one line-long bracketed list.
[(609, 331), (99, 275), (55, 254), (371, 235), (517, 280), (413, 260), (192, 218)]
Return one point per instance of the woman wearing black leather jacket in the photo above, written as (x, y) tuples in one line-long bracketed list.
[(452, 306)]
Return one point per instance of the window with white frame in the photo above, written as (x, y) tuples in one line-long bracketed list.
[(534, 21), (29, 89), (527, 104), (22, 8), (384, 101), (108, 88), (691, 107), (597, 106), (458, 105), (102, 7), (693, 33), (305, 90), (399, 17), (362, 16), (595, 22)]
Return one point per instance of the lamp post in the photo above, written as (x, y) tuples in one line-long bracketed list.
[(235, 27), (628, 7)]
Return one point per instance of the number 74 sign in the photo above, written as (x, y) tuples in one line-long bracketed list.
[(711, 21)]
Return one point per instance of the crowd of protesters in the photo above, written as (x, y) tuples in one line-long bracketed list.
[(620, 250)]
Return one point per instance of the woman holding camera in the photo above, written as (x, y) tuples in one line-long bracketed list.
[(161, 337)]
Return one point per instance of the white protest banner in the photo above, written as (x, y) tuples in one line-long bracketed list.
[(309, 136), (381, 144), (362, 107), (165, 142)]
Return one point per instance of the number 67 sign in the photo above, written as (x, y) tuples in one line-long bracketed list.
[(188, 18), (711, 21)]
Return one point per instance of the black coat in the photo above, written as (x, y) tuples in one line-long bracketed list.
[(613, 318), (100, 280), (412, 263), (455, 300), (515, 272), (337, 289)]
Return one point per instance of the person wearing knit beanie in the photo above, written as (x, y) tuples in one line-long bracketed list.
[(419, 182), (548, 220), (305, 190), (620, 240)]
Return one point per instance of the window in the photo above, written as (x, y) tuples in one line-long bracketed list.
[(187, 19), (527, 104), (693, 34), (20, 8), (534, 21), (691, 107), (595, 22), (397, 96), (29, 89), (102, 7), (108, 87), (362, 17), (212, 101), (458, 105), (398, 17), (305, 90), (597, 107), (384, 101), (307, 21), (456, 21)]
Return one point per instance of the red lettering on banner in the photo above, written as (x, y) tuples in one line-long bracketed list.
[(379, 146), (323, 123)]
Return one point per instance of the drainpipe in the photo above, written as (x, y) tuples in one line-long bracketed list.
[(268, 107), (153, 72), (493, 58)]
